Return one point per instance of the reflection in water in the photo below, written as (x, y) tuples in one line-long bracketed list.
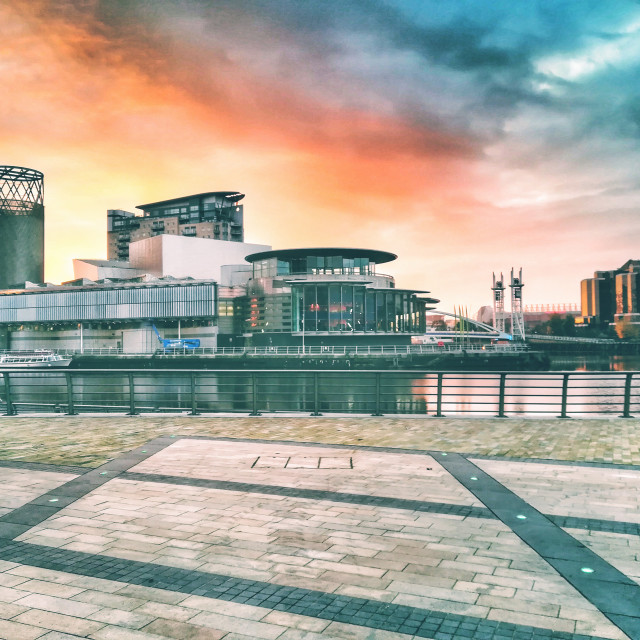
[(390, 392), (595, 363)]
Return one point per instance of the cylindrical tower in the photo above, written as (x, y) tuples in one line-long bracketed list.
[(21, 226)]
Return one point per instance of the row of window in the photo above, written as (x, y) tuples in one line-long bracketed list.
[(333, 265), (198, 300), (345, 308)]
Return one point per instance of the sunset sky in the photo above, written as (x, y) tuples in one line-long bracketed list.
[(467, 136)]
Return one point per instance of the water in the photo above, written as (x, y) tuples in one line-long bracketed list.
[(595, 363), (587, 391)]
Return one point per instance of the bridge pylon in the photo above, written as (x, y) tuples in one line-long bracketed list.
[(498, 303), (517, 310)]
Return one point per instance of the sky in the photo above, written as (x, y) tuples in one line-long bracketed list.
[(465, 136)]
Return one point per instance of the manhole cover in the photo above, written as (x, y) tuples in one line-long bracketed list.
[(302, 462)]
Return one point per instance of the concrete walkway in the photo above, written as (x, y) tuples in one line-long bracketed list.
[(306, 528)]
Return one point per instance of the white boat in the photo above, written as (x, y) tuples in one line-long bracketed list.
[(38, 358)]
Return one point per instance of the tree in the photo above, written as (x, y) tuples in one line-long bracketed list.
[(627, 330)]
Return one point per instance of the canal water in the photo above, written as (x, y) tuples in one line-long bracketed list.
[(595, 363), (595, 386)]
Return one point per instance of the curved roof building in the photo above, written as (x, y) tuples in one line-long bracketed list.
[(332, 294)]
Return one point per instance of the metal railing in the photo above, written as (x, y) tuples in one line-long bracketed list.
[(539, 337), (447, 393), (306, 350)]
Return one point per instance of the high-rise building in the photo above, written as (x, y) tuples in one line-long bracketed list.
[(215, 215), (21, 226), (612, 294)]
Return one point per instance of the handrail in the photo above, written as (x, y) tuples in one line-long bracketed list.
[(350, 350), (316, 392)]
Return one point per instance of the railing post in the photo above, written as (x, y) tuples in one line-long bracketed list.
[(194, 406), (71, 409), (377, 412), (503, 384), (132, 396), (565, 389), (254, 395), (626, 412), (11, 410), (316, 395), (439, 397)]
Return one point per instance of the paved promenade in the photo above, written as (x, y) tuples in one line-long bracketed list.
[(189, 528)]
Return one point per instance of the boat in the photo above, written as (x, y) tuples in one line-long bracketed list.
[(37, 358)]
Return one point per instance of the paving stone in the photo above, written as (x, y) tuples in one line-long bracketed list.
[(295, 515), (251, 628), (16, 631), (182, 630), (58, 605), (118, 633), (58, 622)]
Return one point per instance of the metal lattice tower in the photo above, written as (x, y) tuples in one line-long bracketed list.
[(498, 303), (21, 226), (517, 310)]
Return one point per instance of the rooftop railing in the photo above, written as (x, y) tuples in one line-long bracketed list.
[(437, 394)]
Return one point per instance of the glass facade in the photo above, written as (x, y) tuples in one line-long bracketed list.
[(110, 304), (321, 265), (347, 307)]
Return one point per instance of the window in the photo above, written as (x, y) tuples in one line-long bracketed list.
[(370, 311), (335, 308), (225, 308)]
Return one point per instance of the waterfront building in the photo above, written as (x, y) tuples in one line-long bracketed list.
[(215, 214), (21, 226), (611, 295), (110, 314), (174, 256), (329, 295)]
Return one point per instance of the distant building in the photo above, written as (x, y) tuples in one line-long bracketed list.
[(537, 314), (21, 226), (216, 215), (611, 295)]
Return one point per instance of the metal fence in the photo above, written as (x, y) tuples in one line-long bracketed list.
[(445, 347), (500, 394)]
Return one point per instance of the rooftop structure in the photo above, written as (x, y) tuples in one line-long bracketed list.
[(21, 226), (214, 214)]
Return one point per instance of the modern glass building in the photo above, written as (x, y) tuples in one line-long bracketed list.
[(330, 294), (21, 226)]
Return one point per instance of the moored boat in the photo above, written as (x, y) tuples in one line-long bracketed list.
[(37, 358)]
